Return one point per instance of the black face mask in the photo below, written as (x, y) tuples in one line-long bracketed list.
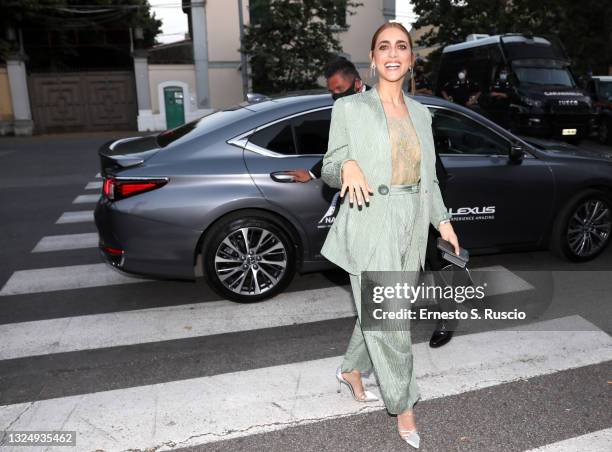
[(348, 92)]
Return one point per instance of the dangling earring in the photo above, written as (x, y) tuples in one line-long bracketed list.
[(372, 71), (410, 72)]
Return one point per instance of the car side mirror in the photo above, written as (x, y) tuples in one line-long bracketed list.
[(516, 154)]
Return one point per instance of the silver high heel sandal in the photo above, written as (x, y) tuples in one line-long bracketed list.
[(411, 437), (367, 395)]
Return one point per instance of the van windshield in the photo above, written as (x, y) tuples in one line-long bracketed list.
[(544, 76)]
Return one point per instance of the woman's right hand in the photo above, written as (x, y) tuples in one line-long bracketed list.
[(354, 181)]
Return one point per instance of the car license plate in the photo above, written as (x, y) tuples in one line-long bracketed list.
[(568, 132)]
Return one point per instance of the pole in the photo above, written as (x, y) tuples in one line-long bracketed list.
[(243, 58)]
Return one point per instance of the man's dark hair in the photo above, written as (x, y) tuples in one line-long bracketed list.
[(342, 65)]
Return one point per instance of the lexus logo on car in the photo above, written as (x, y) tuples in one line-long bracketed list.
[(568, 102), (473, 213)]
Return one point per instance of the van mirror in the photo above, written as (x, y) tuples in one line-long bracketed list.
[(516, 153)]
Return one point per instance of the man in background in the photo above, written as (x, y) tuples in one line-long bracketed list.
[(462, 90), (421, 80), (499, 98), (342, 79)]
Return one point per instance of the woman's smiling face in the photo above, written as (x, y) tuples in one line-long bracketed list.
[(392, 54)]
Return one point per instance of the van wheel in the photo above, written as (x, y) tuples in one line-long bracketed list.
[(582, 228), (248, 257), (604, 133), (575, 140)]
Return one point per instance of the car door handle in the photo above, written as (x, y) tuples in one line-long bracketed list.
[(281, 176)]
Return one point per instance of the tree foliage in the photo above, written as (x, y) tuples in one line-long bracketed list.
[(61, 34), (289, 42), (584, 27)]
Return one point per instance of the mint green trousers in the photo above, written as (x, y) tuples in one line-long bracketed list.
[(389, 353)]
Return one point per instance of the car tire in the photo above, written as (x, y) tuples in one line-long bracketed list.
[(568, 231), (236, 274), (604, 134)]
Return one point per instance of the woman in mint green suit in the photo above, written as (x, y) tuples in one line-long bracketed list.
[(381, 153)]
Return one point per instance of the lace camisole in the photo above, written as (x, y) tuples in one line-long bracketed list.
[(405, 151)]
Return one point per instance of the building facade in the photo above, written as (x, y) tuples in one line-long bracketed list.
[(213, 79)]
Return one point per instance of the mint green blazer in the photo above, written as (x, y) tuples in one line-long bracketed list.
[(358, 131)]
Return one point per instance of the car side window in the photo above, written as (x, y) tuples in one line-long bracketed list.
[(312, 132), (277, 137), (302, 134), (455, 133)]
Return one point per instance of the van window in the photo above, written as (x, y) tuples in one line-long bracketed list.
[(544, 76), (605, 90)]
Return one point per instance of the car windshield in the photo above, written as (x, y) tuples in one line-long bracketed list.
[(544, 76)]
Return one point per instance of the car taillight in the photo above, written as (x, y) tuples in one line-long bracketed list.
[(116, 189)]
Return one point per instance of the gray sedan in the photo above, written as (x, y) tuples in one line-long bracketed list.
[(213, 197)]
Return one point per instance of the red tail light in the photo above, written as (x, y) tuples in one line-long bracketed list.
[(113, 251), (116, 189)]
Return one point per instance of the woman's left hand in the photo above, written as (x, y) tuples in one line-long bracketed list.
[(448, 233)]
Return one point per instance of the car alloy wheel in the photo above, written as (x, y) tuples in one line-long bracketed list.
[(588, 228), (249, 255), (250, 260)]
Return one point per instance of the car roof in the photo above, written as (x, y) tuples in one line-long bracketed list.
[(507, 38), (308, 100), (603, 78)]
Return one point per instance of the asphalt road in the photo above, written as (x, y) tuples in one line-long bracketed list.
[(164, 365)]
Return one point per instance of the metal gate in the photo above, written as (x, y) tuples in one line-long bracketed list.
[(83, 101)]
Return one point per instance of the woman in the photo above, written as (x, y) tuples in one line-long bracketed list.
[(381, 153)]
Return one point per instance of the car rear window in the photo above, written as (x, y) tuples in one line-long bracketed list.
[(205, 124)]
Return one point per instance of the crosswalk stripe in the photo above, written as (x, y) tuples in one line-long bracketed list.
[(64, 278), (83, 199), (79, 216), (201, 410), (66, 242), (93, 185), (167, 323), (599, 441), (76, 277), (173, 322)]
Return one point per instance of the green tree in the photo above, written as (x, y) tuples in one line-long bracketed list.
[(289, 42), (584, 28), (59, 34)]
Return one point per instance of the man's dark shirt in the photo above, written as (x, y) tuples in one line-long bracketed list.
[(502, 86), (461, 91), (421, 82)]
